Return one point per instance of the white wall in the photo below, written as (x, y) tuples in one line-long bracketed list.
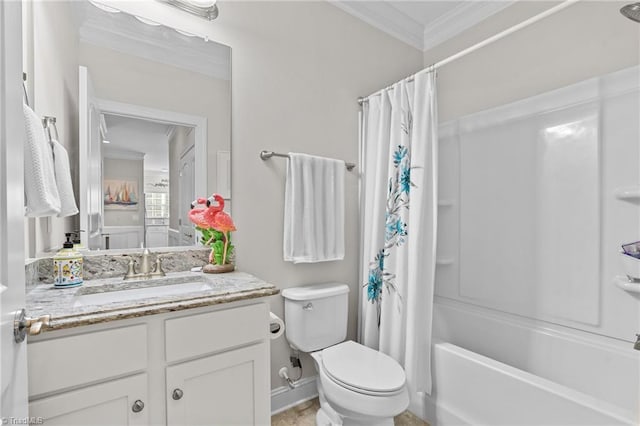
[(53, 83), (298, 68)]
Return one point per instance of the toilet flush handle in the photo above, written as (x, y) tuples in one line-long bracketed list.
[(308, 307)]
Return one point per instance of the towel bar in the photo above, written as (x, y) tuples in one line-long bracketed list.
[(265, 155)]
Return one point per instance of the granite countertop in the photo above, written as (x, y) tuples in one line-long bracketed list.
[(110, 299)]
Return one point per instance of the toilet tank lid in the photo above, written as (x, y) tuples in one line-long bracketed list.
[(316, 291)]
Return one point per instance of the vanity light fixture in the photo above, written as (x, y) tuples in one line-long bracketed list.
[(146, 21), (206, 9), (185, 33), (104, 7), (105, 141)]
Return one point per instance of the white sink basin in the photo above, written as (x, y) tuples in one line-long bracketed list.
[(132, 294)]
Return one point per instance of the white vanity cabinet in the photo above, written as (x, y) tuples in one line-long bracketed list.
[(229, 387), (195, 395), (202, 366)]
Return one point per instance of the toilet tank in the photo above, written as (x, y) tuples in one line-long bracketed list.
[(315, 316)]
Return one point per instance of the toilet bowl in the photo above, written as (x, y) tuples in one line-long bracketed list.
[(359, 386)]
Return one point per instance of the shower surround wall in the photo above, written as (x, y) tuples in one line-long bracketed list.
[(545, 247), (529, 227)]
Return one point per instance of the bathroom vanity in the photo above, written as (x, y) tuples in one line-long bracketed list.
[(144, 352)]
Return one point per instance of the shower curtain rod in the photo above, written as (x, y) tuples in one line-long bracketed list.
[(476, 46)]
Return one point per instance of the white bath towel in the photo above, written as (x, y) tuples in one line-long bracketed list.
[(314, 209), (68, 205), (41, 192)]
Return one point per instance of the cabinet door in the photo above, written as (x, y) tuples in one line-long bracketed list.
[(107, 404), (231, 388)]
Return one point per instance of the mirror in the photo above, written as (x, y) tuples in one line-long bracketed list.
[(153, 118)]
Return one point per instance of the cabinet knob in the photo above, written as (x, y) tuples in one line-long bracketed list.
[(137, 406), (177, 394)]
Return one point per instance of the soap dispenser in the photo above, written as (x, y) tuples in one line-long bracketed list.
[(67, 266), (77, 243)]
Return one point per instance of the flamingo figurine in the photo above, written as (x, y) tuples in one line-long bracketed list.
[(201, 215), (220, 221), (197, 213)]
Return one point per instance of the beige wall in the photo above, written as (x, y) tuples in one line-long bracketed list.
[(587, 39), (124, 78), (298, 68), (53, 82)]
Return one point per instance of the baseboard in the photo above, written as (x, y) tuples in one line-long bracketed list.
[(284, 397)]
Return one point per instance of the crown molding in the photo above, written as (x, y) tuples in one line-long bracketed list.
[(384, 16), (460, 19), (387, 18)]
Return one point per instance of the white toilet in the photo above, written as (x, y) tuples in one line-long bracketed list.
[(357, 385)]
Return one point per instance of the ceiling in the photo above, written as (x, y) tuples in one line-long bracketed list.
[(134, 135), (422, 24)]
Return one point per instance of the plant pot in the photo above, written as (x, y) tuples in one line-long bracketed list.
[(210, 268)]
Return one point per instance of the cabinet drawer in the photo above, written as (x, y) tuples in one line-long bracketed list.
[(76, 360), (201, 334)]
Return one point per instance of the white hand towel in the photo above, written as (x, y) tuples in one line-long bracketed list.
[(41, 192), (68, 205), (314, 209)]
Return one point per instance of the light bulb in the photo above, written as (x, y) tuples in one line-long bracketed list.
[(104, 7), (146, 21), (202, 3)]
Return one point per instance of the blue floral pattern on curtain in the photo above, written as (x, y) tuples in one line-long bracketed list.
[(395, 228)]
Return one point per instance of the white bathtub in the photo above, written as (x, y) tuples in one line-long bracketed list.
[(570, 379), (476, 390)]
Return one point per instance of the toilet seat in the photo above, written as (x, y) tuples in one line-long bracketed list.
[(365, 407), (363, 370)]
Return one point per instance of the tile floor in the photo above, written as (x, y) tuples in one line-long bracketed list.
[(305, 415)]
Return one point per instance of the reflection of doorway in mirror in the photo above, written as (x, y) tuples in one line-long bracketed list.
[(162, 138), (151, 69), (186, 190)]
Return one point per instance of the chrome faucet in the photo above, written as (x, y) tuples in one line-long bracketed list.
[(636, 345), (145, 267)]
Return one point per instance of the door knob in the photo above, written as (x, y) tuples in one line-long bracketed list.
[(23, 325), (137, 406), (177, 394)]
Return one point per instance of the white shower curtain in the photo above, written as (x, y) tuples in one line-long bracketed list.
[(399, 209)]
